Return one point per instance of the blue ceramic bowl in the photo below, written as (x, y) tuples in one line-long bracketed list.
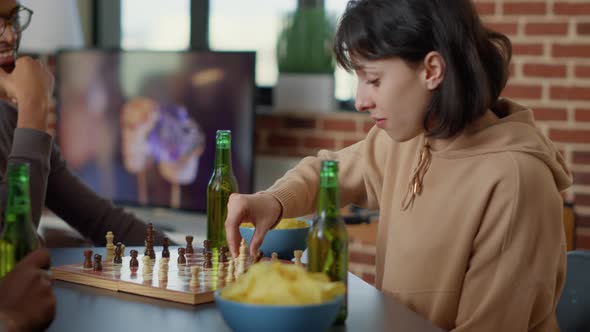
[(245, 317), (281, 241)]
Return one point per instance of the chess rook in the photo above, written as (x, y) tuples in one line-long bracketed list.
[(88, 259)]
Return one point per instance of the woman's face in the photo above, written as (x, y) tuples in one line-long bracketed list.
[(395, 94)]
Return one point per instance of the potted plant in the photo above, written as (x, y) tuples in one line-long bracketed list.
[(305, 60)]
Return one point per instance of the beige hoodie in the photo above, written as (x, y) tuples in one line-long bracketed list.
[(482, 247)]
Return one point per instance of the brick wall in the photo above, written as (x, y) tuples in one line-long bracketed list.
[(550, 72)]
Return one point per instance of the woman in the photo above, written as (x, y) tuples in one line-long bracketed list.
[(468, 189)]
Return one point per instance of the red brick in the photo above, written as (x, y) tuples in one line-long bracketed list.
[(368, 125), (581, 157), (319, 143), (505, 28), (362, 258), (582, 178), (583, 241), (268, 122), (339, 125), (527, 49), (582, 199), (526, 8), (570, 136), (583, 71), (554, 29), (583, 115), (369, 278), (571, 50), (570, 93), (485, 8), (544, 70), (582, 221), (583, 29), (281, 141), (550, 114), (522, 91), (571, 8), (299, 123)]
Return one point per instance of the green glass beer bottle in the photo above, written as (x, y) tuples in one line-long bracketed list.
[(327, 238), (19, 236), (222, 184)]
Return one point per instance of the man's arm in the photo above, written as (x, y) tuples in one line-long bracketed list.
[(88, 213)]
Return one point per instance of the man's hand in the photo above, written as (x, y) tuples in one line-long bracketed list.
[(27, 299), (30, 86), (263, 210)]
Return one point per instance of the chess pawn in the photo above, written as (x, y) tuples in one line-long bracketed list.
[(208, 262), (194, 276), (181, 258), (165, 251), (117, 259), (146, 267), (230, 272), (122, 246), (97, 263), (163, 269), (134, 262), (189, 244), (88, 259), (274, 257)]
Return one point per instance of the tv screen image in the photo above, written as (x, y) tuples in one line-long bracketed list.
[(138, 127)]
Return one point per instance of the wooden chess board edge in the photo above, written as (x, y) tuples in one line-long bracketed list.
[(165, 294), (83, 279)]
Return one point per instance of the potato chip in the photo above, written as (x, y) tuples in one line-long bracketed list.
[(282, 284)]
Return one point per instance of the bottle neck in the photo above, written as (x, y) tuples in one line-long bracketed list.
[(223, 156), (329, 198)]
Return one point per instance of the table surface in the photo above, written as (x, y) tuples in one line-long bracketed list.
[(84, 308)]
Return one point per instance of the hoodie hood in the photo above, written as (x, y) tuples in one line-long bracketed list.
[(515, 132)]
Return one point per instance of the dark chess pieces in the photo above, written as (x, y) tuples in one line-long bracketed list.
[(150, 242), (181, 257), (88, 259), (208, 262), (165, 251), (117, 259), (134, 262), (189, 244), (97, 263)]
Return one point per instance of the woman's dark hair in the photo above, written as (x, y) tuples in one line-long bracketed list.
[(476, 58)]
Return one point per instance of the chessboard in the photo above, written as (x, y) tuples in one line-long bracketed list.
[(178, 284)]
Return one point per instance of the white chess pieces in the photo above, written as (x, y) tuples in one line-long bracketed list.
[(194, 276), (163, 269), (146, 266), (110, 246), (221, 271), (230, 272), (298, 254), (241, 268), (274, 257)]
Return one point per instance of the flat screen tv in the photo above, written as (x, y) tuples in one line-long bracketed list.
[(138, 127)]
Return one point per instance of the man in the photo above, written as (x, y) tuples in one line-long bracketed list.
[(28, 86)]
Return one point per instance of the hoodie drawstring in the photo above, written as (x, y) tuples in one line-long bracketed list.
[(415, 185)]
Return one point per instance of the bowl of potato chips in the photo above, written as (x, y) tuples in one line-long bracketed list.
[(288, 235), (273, 296)]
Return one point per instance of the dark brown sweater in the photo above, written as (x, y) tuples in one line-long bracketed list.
[(54, 186)]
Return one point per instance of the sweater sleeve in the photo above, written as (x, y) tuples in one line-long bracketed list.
[(517, 267), (87, 212), (24, 145), (358, 166)]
